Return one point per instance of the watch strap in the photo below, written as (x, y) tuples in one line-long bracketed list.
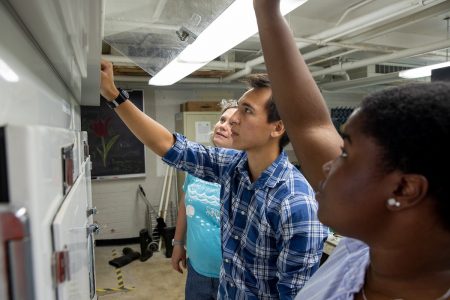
[(121, 98), (177, 242)]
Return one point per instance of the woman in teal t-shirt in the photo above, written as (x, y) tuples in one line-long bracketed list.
[(198, 223)]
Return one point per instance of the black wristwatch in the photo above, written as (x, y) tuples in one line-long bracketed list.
[(123, 96)]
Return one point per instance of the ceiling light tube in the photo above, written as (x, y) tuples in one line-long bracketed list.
[(236, 24), (422, 71)]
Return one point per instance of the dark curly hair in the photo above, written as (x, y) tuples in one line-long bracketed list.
[(256, 81), (412, 124)]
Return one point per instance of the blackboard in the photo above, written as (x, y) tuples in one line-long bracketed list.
[(115, 151)]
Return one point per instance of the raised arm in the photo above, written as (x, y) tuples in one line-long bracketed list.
[(148, 131), (298, 99)]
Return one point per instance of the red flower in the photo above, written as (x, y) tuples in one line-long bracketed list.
[(100, 127)]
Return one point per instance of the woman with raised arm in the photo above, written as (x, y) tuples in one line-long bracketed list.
[(198, 223), (386, 190)]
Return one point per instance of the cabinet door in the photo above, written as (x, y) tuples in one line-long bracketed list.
[(73, 245), (62, 29)]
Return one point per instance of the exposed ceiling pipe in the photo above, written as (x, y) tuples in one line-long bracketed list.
[(352, 8), (383, 58), (361, 82), (320, 52), (333, 56), (373, 33), (186, 83), (396, 24), (247, 70), (352, 26), (382, 15), (185, 80), (300, 42), (221, 65), (196, 86)]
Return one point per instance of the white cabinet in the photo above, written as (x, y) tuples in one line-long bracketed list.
[(48, 176), (68, 32), (194, 125)]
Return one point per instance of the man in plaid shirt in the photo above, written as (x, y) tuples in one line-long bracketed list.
[(271, 238)]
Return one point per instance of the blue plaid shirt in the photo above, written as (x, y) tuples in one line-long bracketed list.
[(271, 238)]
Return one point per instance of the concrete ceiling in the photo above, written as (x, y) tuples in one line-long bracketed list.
[(342, 40)]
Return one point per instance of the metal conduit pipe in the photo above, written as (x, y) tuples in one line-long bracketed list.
[(186, 83), (360, 23), (124, 60), (344, 29), (361, 82), (197, 86), (383, 58), (419, 16), (351, 8), (300, 42), (147, 78), (371, 19), (405, 21), (320, 52), (333, 56), (247, 70)]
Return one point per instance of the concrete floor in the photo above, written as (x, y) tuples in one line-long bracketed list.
[(153, 279)]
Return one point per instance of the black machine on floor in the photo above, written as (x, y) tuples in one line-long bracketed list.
[(149, 237)]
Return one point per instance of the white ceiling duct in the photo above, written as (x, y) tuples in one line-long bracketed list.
[(381, 31)]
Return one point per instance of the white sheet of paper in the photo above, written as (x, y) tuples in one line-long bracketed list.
[(202, 131)]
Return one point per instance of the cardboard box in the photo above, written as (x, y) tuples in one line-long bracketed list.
[(200, 106)]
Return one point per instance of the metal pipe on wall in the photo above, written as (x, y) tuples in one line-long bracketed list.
[(353, 26), (383, 58)]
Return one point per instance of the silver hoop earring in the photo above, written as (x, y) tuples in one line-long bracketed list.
[(391, 202)]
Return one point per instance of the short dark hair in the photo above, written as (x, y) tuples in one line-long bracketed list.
[(411, 123), (257, 81)]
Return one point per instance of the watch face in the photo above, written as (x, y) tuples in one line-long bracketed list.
[(125, 94)]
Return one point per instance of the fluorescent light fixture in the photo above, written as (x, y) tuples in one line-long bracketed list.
[(422, 71), (7, 73), (236, 24)]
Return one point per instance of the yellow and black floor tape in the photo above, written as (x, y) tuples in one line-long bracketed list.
[(120, 283)]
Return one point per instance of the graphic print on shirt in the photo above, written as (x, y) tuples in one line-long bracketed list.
[(206, 199)]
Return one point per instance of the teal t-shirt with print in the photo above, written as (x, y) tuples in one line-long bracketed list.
[(202, 200)]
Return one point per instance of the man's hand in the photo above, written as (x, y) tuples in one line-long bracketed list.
[(178, 255), (107, 87)]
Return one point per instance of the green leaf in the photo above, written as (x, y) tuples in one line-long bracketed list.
[(111, 143)]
